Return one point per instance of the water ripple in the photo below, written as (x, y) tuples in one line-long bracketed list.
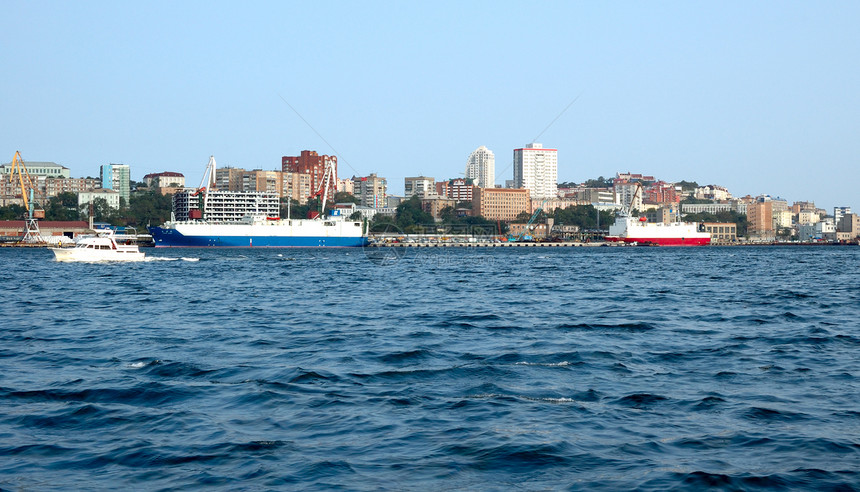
[(569, 368)]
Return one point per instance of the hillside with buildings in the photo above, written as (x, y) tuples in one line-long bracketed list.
[(473, 198)]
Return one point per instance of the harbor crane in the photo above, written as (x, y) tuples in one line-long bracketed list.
[(523, 236), (20, 176)]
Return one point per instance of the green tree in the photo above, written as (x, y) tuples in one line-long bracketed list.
[(147, 208), (298, 211), (12, 212), (63, 207), (600, 182), (411, 217), (691, 200), (447, 214), (102, 212), (523, 216), (724, 216), (345, 197), (584, 216)]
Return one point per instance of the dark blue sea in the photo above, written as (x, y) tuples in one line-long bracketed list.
[(456, 369)]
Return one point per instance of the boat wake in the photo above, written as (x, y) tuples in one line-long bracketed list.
[(162, 258)]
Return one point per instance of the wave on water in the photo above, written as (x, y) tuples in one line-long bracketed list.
[(571, 369)]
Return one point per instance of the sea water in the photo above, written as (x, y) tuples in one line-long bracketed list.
[(432, 369)]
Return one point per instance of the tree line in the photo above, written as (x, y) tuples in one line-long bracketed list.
[(143, 208)]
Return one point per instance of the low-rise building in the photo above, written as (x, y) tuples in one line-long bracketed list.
[(419, 185), (722, 232), (823, 230), (712, 192), (110, 196), (12, 229), (433, 205), (39, 169), (808, 216), (548, 205), (712, 208), (166, 179), (536, 231), (591, 195)]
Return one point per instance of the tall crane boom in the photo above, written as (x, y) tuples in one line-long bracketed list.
[(325, 184), (20, 174), (28, 188), (531, 221)]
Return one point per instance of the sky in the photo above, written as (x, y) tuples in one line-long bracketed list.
[(760, 97)]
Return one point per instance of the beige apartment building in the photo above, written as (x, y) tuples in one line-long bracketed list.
[(500, 203), (760, 221)]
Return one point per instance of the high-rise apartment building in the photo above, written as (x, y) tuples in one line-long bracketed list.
[(536, 169), (481, 167), (628, 194), (296, 186), (370, 190), (116, 177), (310, 162)]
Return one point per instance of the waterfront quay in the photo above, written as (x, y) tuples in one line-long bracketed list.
[(515, 244)]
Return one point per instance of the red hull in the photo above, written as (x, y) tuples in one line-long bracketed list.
[(664, 241)]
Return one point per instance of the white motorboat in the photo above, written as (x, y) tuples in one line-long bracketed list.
[(99, 248)]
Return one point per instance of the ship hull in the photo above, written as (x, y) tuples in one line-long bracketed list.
[(295, 234), (663, 241)]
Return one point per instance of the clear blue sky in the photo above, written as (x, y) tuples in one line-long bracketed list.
[(760, 97)]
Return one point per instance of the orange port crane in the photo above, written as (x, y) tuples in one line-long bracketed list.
[(28, 188)]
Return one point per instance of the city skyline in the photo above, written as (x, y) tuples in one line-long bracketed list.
[(754, 97)]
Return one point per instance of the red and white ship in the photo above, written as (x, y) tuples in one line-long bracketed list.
[(629, 229)]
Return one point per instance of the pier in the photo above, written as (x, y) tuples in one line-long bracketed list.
[(458, 244)]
